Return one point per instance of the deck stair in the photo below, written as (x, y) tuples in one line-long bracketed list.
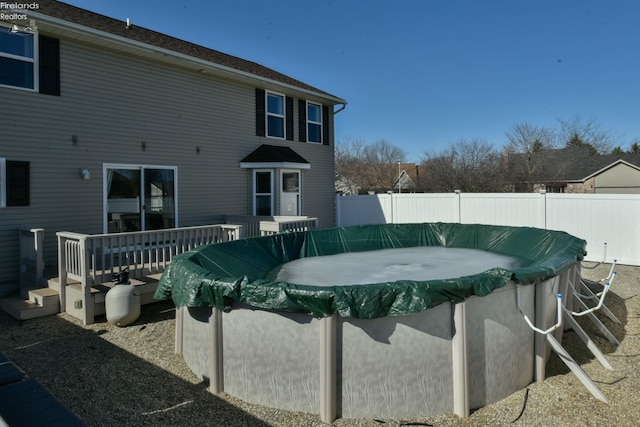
[(46, 301), (42, 302)]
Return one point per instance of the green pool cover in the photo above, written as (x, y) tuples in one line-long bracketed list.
[(224, 274)]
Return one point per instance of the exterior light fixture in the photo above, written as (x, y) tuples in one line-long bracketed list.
[(85, 174)]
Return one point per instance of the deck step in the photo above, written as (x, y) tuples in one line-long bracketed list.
[(46, 301), (54, 283), (21, 309), (45, 296)]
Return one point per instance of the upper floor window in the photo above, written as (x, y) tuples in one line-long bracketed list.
[(314, 122), (18, 58), (275, 115)]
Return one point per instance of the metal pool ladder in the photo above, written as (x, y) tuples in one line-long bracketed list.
[(568, 315)]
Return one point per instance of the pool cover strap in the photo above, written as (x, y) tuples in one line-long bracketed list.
[(225, 274)]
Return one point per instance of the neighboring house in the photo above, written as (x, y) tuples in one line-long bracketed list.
[(346, 187), (618, 177), (409, 178), (110, 127), (379, 178), (576, 170)]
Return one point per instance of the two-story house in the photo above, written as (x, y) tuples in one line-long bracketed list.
[(108, 127)]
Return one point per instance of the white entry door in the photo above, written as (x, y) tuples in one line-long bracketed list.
[(290, 193)]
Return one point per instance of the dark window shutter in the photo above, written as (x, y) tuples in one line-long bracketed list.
[(17, 183), (261, 113), (325, 125), (49, 60), (302, 119), (289, 118)]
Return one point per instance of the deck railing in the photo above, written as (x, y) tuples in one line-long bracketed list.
[(93, 259), (282, 225), (265, 225)]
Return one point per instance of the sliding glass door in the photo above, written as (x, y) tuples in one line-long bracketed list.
[(159, 197), (139, 198)]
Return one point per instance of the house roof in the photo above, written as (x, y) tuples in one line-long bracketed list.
[(615, 163), (274, 156), (137, 34), (578, 164)]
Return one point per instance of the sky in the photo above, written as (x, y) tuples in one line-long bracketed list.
[(425, 74)]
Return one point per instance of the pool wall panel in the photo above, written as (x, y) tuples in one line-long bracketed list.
[(390, 367), (273, 359), (500, 344), (396, 367)]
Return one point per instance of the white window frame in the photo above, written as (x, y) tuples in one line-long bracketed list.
[(256, 194), (3, 182), (282, 116), (34, 60), (141, 168), (298, 193), (314, 123)]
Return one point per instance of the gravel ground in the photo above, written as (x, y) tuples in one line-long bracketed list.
[(111, 376)]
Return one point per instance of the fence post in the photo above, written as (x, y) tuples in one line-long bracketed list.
[(458, 193), (543, 193)]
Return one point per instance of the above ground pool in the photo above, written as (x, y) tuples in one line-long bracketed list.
[(377, 321)]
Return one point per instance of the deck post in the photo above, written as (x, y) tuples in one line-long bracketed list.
[(62, 272), (38, 239), (88, 306)]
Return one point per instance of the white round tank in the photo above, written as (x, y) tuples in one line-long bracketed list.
[(122, 304)]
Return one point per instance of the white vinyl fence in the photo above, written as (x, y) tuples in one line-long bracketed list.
[(611, 220)]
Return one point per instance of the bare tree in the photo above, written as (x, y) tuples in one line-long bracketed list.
[(373, 167), (468, 166), (588, 133), (527, 153), (382, 159)]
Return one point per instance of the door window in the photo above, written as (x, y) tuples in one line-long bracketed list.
[(290, 195)]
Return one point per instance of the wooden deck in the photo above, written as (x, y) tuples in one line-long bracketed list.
[(24, 402), (86, 262)]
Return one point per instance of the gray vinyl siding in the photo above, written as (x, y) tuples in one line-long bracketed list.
[(112, 103), (620, 179)]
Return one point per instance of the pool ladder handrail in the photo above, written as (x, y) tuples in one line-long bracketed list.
[(600, 295), (530, 323), (604, 281), (557, 347)]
